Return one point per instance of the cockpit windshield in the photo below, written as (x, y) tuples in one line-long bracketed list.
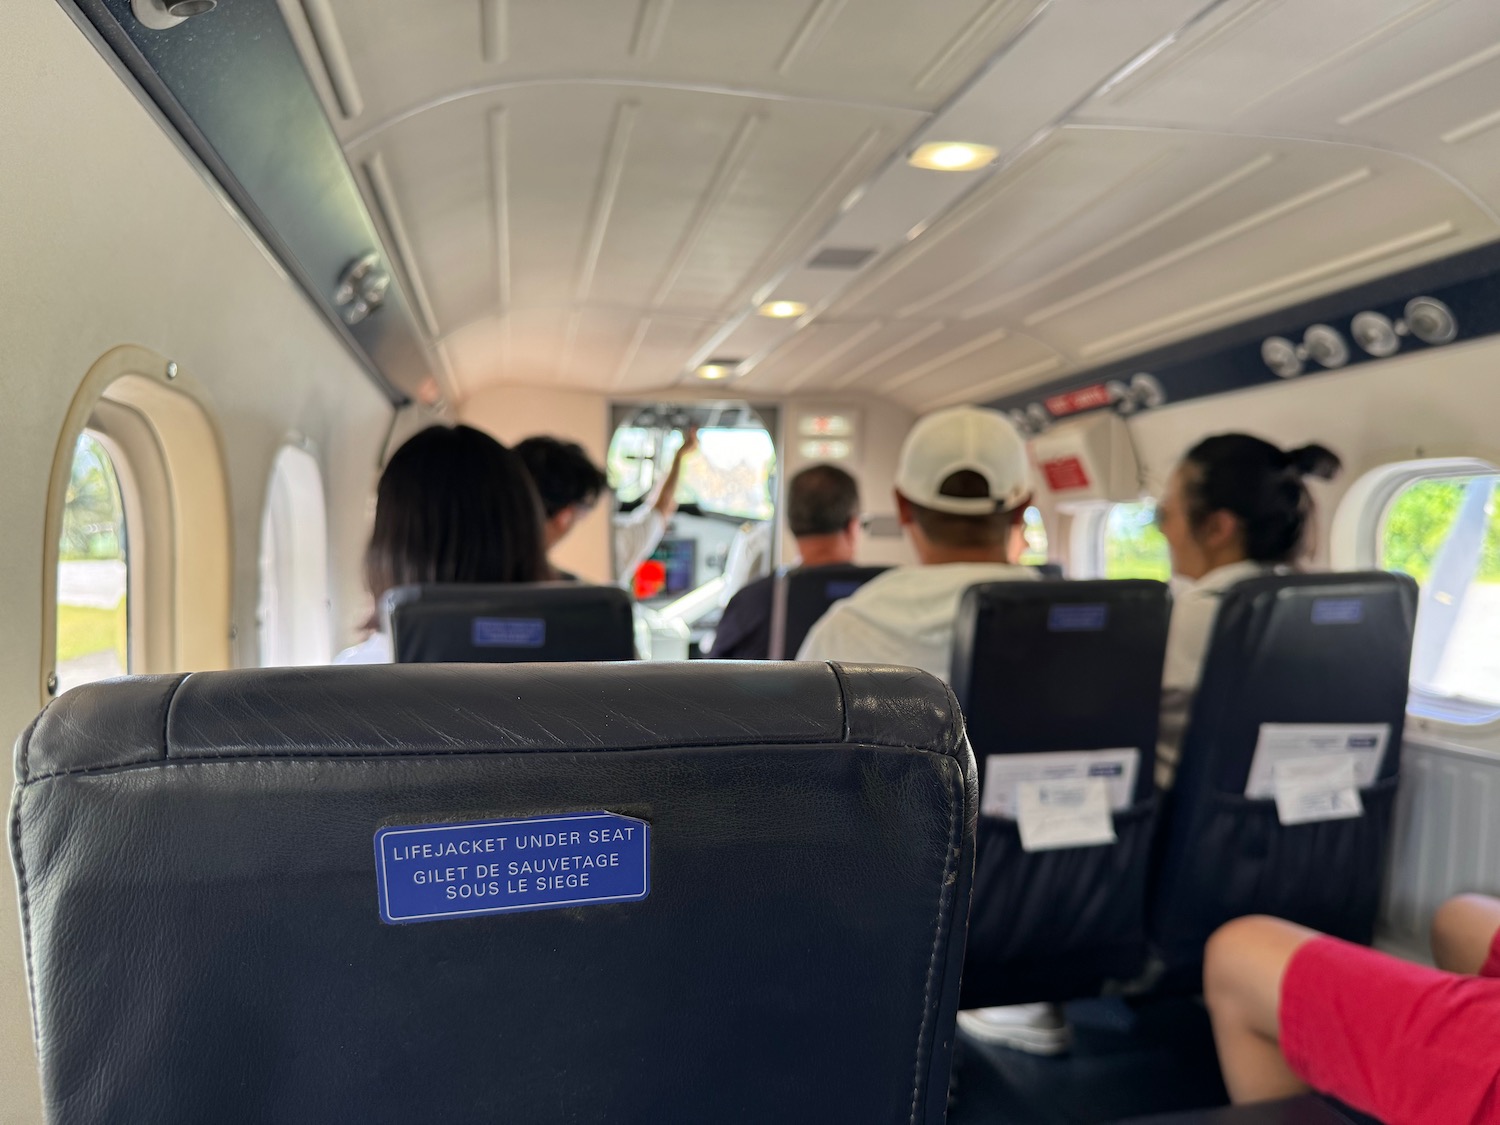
[(732, 476)]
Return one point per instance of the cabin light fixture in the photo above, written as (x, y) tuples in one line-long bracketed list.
[(361, 288), (782, 310), (1147, 390), (1282, 356), (717, 369), (1143, 392), (160, 15), (1430, 321), (952, 156), (1375, 334), (1324, 346)]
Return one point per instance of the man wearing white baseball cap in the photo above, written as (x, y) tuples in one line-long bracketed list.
[(962, 488)]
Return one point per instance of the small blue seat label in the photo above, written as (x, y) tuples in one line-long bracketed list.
[(1078, 618), (509, 632), (426, 872), (1338, 611), (838, 590)]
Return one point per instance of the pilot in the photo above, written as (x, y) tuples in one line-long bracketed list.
[(453, 505), (823, 513), (638, 531), (1293, 1009), (962, 488), (568, 483), (1235, 508)]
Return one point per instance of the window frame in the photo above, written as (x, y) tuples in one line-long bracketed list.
[(168, 454), (1357, 542)]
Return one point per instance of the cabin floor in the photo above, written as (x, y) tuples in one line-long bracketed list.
[(1128, 1060)]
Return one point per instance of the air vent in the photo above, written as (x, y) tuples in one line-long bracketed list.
[(840, 258)]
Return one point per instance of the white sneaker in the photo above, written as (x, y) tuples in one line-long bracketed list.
[(1038, 1029)]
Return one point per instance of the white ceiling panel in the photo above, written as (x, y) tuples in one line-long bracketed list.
[(596, 193)]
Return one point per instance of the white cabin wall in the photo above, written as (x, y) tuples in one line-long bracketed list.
[(109, 236), (514, 413)]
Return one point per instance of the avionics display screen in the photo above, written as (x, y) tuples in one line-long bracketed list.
[(680, 558)]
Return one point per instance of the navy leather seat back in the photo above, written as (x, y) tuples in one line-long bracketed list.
[(800, 597), (1059, 666), (1295, 649), (513, 623), (196, 863)]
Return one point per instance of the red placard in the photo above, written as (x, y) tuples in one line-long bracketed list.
[(1065, 473), (1074, 402)]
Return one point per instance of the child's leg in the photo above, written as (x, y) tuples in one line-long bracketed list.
[(1463, 933), (1242, 974)]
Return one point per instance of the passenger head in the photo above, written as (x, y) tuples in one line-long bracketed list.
[(1235, 497), (454, 505), (962, 486), (823, 511), (568, 483)]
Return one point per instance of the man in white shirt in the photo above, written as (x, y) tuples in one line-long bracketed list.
[(638, 532), (962, 487)]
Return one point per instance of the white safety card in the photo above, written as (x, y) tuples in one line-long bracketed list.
[(1063, 814), (1280, 742), (1313, 789), (1061, 799)]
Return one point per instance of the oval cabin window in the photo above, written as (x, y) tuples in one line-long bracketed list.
[(1133, 546), (93, 570), (1034, 536), (295, 625), (1444, 531)]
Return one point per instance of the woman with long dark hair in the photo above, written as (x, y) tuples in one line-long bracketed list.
[(453, 505), (1236, 507)]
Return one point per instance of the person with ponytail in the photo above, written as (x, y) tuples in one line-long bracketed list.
[(1236, 507)]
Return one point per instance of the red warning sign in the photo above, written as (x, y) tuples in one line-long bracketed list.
[(1065, 474), (1075, 402)]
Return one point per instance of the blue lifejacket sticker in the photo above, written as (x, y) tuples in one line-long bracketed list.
[(426, 872), (509, 632)]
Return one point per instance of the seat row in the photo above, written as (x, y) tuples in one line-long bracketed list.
[(1063, 678), (650, 892)]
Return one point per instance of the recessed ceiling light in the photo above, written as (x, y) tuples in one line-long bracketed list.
[(716, 369), (952, 156), (782, 310)]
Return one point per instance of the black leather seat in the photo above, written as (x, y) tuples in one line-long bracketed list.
[(197, 865), (513, 623), (799, 597), (1060, 666), (1292, 649)]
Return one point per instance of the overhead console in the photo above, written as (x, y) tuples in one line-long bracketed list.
[(1089, 459), (1431, 306)]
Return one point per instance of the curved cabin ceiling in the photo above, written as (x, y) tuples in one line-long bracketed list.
[(596, 194)]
